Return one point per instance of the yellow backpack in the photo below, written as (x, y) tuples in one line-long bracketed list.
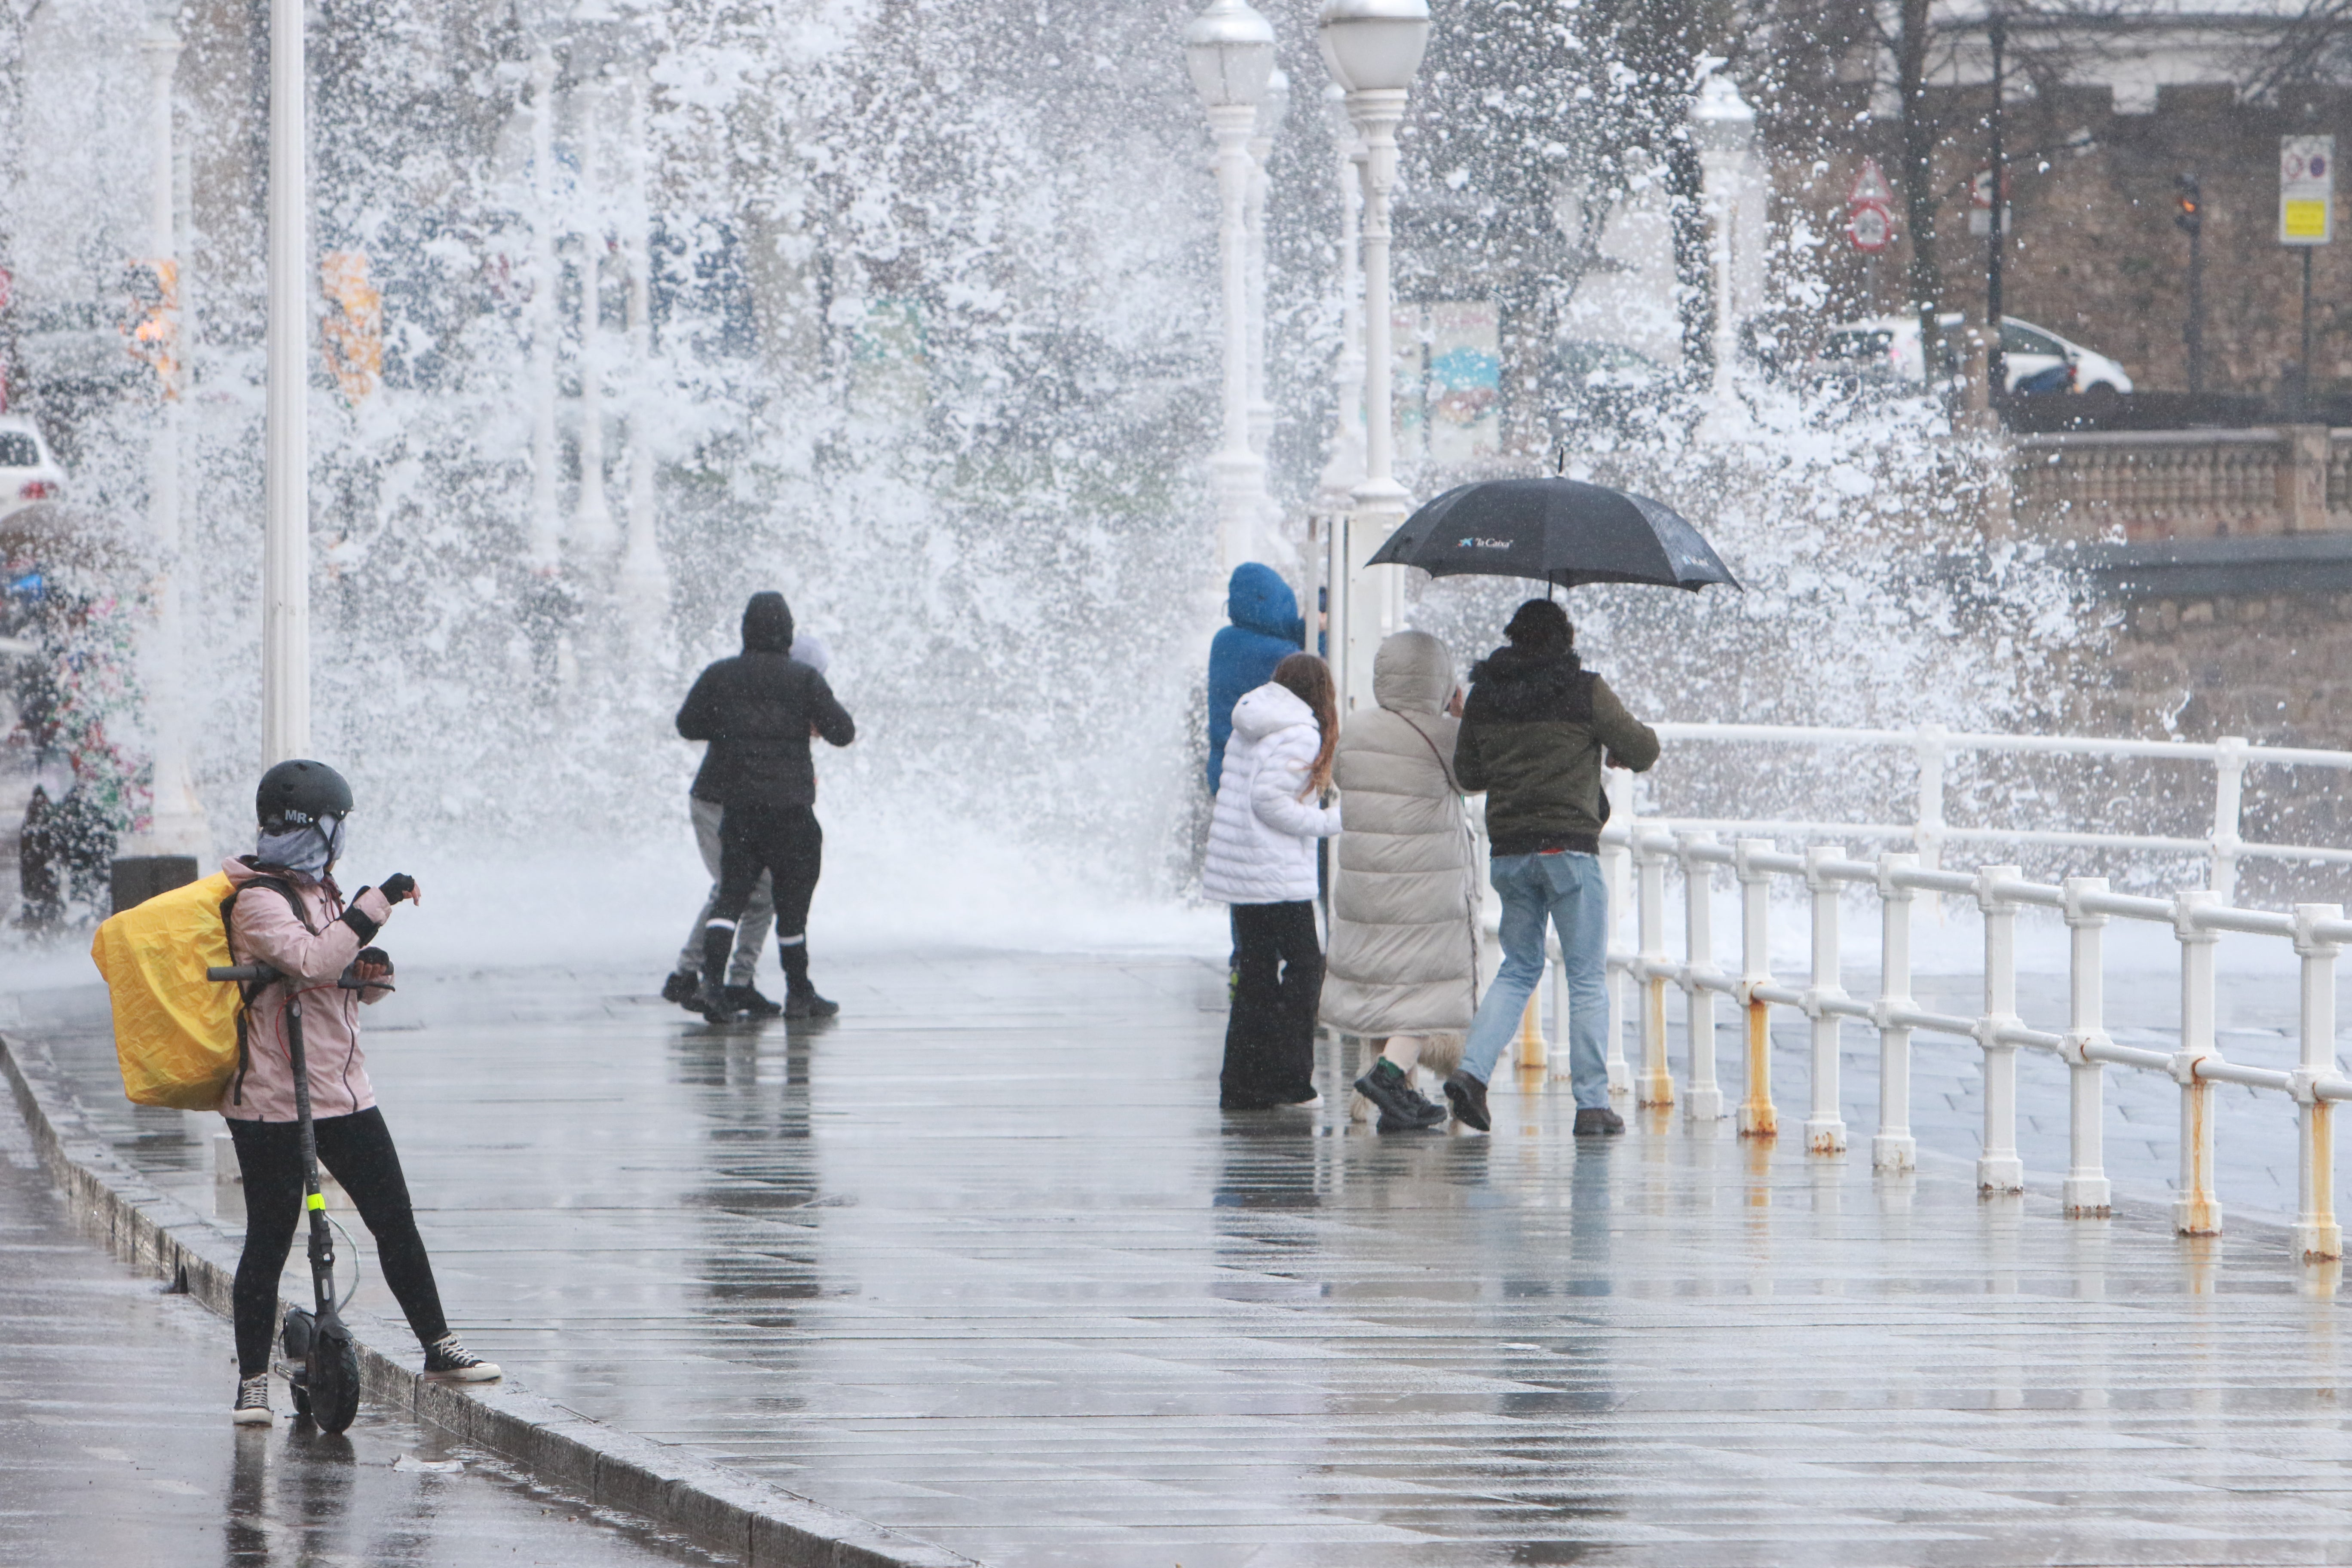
[(175, 1032)]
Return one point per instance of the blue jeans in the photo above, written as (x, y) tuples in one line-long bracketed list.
[(1565, 888)]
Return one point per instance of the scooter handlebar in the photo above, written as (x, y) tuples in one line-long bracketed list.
[(262, 974)]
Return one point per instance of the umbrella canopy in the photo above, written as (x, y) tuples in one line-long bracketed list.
[(1557, 530)]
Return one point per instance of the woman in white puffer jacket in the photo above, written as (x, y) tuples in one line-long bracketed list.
[(1261, 861)]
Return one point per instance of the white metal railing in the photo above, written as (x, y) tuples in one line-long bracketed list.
[(1637, 851), (1932, 747)]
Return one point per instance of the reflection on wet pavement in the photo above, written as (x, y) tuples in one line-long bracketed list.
[(983, 1262), (115, 1450)]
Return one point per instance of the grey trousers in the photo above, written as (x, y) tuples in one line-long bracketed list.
[(759, 915)]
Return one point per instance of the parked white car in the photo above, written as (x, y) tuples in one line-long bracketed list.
[(28, 473), (1888, 347)]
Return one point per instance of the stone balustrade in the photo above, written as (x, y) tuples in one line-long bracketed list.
[(2155, 485)]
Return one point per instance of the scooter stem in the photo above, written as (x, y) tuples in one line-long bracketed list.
[(322, 1241)]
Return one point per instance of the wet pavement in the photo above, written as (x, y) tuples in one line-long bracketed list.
[(982, 1261), (115, 1450)]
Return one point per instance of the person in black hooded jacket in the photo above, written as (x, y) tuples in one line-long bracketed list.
[(1537, 730), (758, 711)]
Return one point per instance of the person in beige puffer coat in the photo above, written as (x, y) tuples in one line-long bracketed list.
[(1404, 963)]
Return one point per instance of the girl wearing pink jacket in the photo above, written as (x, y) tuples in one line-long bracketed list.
[(287, 912)]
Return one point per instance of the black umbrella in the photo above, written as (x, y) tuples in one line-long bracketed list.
[(1557, 530)]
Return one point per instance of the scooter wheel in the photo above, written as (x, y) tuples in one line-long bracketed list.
[(333, 1376), (300, 1331)]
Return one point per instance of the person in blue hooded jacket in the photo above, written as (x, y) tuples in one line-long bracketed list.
[(1267, 628)]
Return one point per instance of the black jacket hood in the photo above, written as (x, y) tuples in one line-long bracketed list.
[(1512, 683), (767, 624)]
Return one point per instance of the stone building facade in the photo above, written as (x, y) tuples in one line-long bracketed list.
[(2094, 140)]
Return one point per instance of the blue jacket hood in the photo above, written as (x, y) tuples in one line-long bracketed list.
[(1258, 599)]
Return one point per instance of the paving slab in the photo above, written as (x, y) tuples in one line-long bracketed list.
[(982, 1262)]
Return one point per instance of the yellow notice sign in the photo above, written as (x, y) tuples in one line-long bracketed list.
[(2306, 189)]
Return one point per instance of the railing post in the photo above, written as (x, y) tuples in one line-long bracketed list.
[(1928, 833), (2317, 1233), (2196, 1211), (1706, 1102), (1560, 1012), (1825, 1128), (1656, 1086), (2084, 1194), (1757, 1117), (1999, 1170), (1530, 1045), (2228, 793), (1615, 866), (1892, 1148)]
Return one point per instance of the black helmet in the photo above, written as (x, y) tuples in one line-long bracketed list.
[(299, 793)]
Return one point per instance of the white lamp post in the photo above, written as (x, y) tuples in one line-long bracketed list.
[(1344, 469), (286, 539), (1725, 129), (1229, 49), (592, 525), (1273, 108), (178, 826), (644, 584), (1373, 48), (545, 524)]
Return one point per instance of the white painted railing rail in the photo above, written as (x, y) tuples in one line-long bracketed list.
[(1637, 851), (1932, 747)]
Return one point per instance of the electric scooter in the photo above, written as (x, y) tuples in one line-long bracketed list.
[(326, 1379)]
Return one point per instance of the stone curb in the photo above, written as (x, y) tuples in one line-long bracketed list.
[(715, 1506)]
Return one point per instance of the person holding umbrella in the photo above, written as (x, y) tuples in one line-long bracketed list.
[(1537, 730)]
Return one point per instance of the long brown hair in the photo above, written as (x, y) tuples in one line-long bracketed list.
[(1308, 679)]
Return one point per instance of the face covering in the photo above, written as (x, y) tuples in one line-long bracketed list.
[(309, 848)]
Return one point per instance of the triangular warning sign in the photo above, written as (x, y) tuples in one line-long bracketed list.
[(1870, 187)]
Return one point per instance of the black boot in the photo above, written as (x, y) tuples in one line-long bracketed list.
[(1402, 1111), (801, 1000), (711, 1000)]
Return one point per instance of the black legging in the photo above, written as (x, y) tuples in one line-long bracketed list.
[(357, 1150), (786, 843), (1270, 1032)]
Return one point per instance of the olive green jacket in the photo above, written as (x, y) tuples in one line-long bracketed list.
[(1534, 730)]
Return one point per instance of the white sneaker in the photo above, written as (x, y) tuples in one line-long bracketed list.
[(253, 1402)]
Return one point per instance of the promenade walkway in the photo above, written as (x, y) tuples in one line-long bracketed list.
[(982, 1261), (114, 1452)]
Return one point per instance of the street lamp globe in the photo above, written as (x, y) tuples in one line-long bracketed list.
[(1229, 49), (1273, 105), (1373, 45), (1722, 119)]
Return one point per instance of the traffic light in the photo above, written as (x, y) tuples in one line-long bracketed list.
[(153, 326), (352, 333), (2189, 203)]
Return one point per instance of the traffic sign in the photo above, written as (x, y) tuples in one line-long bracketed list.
[(1868, 225), (1870, 187), (2307, 190), (1980, 203)]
